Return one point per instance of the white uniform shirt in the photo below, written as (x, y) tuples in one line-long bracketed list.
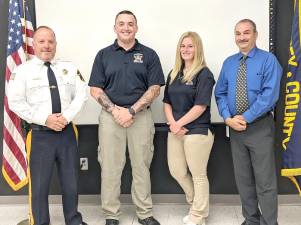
[(29, 93)]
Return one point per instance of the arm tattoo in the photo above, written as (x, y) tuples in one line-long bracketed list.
[(147, 98), (105, 102)]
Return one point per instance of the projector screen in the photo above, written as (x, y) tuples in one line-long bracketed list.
[(84, 27)]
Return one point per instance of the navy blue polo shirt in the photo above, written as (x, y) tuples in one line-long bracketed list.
[(183, 96), (126, 75)]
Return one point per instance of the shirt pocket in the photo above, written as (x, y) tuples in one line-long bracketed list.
[(67, 90), (38, 92), (256, 83)]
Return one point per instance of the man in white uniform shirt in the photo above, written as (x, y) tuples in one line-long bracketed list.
[(47, 94)]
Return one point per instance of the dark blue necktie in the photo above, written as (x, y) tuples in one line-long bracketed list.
[(54, 91)]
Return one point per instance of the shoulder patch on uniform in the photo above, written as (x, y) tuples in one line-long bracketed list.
[(12, 76), (80, 76)]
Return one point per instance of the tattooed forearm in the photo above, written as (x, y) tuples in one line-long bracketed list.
[(105, 102), (147, 98), (101, 97)]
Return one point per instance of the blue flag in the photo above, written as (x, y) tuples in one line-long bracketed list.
[(291, 143)]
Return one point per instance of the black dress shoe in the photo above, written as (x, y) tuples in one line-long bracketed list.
[(83, 223), (149, 221), (112, 222)]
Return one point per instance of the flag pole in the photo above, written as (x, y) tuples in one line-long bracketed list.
[(26, 221), (25, 28)]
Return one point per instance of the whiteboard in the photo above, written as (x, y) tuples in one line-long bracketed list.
[(84, 27)]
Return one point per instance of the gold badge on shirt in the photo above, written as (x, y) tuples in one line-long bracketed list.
[(65, 72), (138, 58)]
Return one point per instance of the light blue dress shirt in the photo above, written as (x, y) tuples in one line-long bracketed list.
[(263, 84)]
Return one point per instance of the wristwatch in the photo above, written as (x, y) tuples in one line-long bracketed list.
[(131, 111)]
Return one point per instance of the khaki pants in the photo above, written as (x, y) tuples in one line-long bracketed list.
[(191, 152), (113, 140)]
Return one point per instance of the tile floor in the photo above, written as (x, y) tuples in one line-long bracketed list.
[(167, 214)]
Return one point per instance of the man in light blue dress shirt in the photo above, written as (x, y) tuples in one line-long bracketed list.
[(252, 130)]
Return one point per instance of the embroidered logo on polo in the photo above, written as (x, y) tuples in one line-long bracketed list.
[(189, 82), (138, 58)]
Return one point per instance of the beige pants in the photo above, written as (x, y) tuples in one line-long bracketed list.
[(191, 152), (113, 140)]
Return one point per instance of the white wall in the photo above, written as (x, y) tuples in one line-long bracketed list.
[(84, 27)]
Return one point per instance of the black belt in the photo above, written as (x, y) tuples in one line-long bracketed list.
[(128, 106), (261, 117), (39, 127)]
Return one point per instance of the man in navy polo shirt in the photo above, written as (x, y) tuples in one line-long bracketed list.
[(125, 79)]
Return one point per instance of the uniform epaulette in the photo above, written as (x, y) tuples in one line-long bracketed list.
[(64, 61), (26, 62)]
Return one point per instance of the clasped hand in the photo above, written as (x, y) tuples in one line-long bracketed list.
[(237, 123), (177, 129), (56, 122), (122, 116)]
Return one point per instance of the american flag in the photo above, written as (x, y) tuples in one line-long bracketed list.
[(19, 49)]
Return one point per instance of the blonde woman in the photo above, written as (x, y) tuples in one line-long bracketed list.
[(187, 100)]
